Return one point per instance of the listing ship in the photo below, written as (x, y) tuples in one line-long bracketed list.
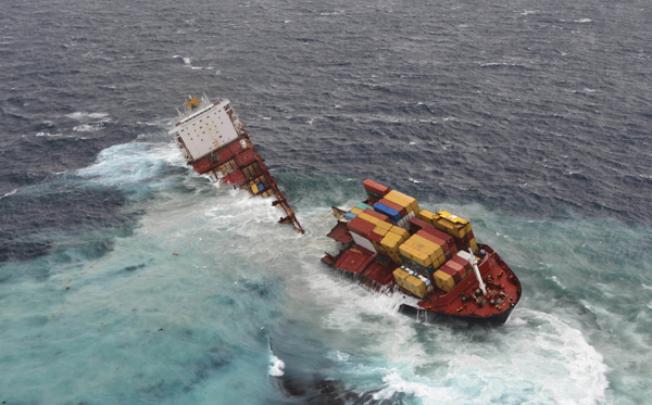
[(215, 143), (432, 259)]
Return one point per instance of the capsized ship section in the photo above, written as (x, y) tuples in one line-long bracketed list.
[(215, 142), (389, 243)]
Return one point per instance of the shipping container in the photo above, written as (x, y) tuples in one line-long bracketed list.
[(235, 178), (402, 211), (411, 283), (403, 233), (360, 226), (427, 216), (404, 200), (375, 188), (444, 280), (391, 213), (363, 242), (246, 157), (364, 206)]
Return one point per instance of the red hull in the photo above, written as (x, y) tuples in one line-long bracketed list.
[(373, 270), (215, 142)]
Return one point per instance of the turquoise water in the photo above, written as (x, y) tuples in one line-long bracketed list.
[(205, 300)]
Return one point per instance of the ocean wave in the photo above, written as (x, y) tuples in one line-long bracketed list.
[(9, 194), (87, 116)]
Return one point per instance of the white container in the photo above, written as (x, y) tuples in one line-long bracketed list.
[(363, 242)]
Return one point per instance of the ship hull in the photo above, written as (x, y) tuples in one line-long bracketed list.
[(433, 317), (375, 272)]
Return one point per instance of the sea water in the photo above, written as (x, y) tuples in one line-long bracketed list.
[(126, 278)]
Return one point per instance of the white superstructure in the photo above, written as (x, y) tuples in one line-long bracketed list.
[(211, 127)]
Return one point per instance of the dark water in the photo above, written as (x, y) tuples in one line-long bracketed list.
[(533, 119)]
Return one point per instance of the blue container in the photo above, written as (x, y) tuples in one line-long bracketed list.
[(261, 186), (349, 216), (390, 212)]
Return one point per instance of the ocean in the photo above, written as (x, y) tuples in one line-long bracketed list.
[(126, 278)]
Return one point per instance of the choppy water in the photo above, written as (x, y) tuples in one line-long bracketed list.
[(124, 278)]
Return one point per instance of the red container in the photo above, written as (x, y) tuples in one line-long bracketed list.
[(246, 157), (418, 224), (378, 215), (235, 178), (433, 238), (228, 151), (462, 262), (361, 227), (375, 188), (374, 237), (204, 164), (393, 205), (456, 271)]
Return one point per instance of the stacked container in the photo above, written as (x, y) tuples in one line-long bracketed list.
[(422, 251), (391, 242), (374, 189), (452, 272), (458, 227), (410, 281)]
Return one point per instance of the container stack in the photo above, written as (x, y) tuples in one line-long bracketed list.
[(457, 227), (430, 247), (413, 282), (375, 190), (452, 272)]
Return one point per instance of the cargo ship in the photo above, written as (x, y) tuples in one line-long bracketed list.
[(215, 142), (431, 259)]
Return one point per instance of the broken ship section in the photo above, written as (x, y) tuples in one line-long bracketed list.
[(215, 143), (432, 258)]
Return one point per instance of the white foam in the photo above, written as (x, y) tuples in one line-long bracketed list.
[(87, 128), (10, 193), (276, 366), (85, 116), (127, 164), (535, 356), (583, 21), (48, 134)]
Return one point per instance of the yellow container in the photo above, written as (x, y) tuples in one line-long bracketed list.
[(421, 250), (473, 244), (403, 233), (452, 217), (452, 224), (422, 258), (356, 210), (389, 245), (391, 241), (384, 225), (379, 230), (369, 218), (404, 200), (444, 280), (438, 261), (427, 216), (411, 283), (254, 188)]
